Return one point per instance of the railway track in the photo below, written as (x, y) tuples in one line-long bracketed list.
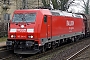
[(2, 48), (77, 53), (4, 52), (59, 53), (7, 54)]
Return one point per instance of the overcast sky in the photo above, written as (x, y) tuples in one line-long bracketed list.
[(76, 7)]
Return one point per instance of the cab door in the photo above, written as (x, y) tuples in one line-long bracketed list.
[(49, 27), (48, 21)]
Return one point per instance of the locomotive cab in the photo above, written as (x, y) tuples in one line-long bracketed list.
[(24, 30)]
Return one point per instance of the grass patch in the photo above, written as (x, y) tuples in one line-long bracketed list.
[(3, 39)]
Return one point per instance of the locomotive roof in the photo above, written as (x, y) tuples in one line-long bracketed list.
[(85, 16), (49, 12), (64, 13), (44, 11)]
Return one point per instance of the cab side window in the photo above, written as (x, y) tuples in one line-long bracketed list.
[(45, 19)]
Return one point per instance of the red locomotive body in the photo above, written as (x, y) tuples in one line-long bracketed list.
[(34, 30)]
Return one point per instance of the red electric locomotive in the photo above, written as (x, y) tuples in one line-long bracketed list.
[(34, 30)]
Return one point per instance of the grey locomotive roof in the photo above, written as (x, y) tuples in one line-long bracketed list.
[(64, 13)]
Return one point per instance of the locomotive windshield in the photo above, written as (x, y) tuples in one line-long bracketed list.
[(27, 17)]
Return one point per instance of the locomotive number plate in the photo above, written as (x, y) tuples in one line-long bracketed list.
[(21, 30)]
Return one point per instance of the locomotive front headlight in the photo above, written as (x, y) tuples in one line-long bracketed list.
[(30, 36), (13, 36)]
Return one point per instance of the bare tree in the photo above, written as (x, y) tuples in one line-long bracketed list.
[(46, 3), (58, 4), (69, 4), (83, 5), (86, 6)]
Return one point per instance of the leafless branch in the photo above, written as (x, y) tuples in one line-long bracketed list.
[(84, 2)]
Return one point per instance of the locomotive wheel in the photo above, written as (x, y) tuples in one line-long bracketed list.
[(49, 45), (83, 36), (77, 38), (73, 39), (44, 48), (58, 44), (53, 45), (69, 40)]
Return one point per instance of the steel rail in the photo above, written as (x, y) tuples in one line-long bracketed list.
[(71, 57)]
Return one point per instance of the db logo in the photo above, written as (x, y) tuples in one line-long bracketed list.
[(70, 23), (21, 30)]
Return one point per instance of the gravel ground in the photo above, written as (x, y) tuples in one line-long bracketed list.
[(84, 55), (66, 52)]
